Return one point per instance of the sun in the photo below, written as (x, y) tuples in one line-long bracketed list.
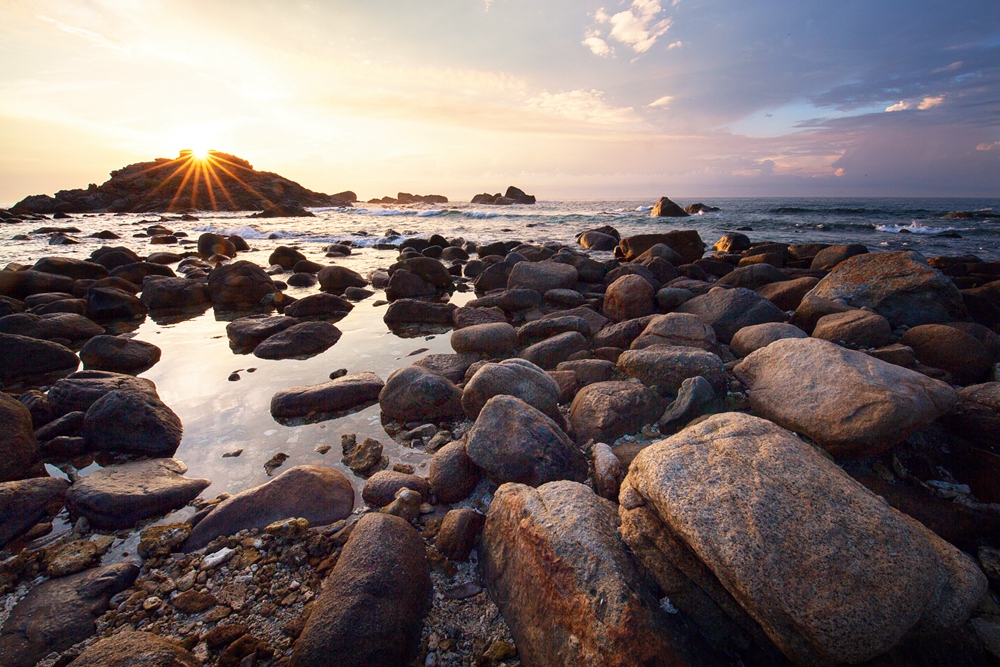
[(199, 152)]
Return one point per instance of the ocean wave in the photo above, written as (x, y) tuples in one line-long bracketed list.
[(480, 214), (245, 231), (643, 209), (428, 214), (914, 228)]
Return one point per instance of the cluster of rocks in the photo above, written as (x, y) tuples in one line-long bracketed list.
[(404, 198), (666, 208), (771, 454), (219, 182), (511, 196)]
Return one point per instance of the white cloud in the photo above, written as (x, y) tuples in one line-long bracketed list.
[(586, 106), (988, 147), (637, 27), (597, 45), (675, 45), (930, 102), (902, 105), (662, 101), (948, 68)]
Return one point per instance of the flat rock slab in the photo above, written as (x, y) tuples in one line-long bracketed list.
[(120, 496), (24, 503), (568, 588), (319, 495), (370, 612), (344, 393), (770, 528), (303, 340), (246, 333), (60, 613), (851, 403)]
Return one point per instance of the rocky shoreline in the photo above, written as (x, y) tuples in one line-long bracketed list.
[(763, 454)]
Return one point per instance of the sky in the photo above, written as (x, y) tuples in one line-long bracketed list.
[(563, 98)]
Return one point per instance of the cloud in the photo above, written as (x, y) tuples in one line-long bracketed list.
[(902, 105), (921, 105), (948, 68), (661, 102), (988, 147), (638, 27), (930, 102), (586, 106), (597, 45), (675, 45), (94, 38)]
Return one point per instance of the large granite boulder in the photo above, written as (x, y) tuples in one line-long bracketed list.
[(120, 496), (665, 208), (898, 285), (132, 422), (729, 310), (24, 503), (682, 329), (542, 276), (173, 294), (370, 612), (949, 349), (686, 242), (756, 336), (80, 390), (319, 495), (18, 448), (743, 523), (854, 328), (512, 377), (241, 285), (300, 341), (22, 358), (513, 442), (118, 354), (136, 649), (568, 588), (629, 297), (605, 411), (415, 393), (850, 403), (59, 613), (344, 393), (667, 366)]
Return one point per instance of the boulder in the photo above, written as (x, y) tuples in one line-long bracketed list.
[(597, 241), (246, 333), (669, 298), (551, 351), (687, 243), (836, 576), (414, 311), (25, 502), (79, 391), (681, 329), (285, 257), (118, 354), (665, 208), (667, 366), (19, 284), (66, 326), (695, 398), (729, 310), (830, 257), (302, 340), (629, 297), (898, 285), (513, 442), (77, 269), (60, 612), (131, 421), (510, 300), (662, 251), (595, 320), (428, 269), (542, 276), (241, 285), (621, 334), (137, 272), (319, 495), (787, 294), (337, 279), (136, 649), (453, 476), (322, 305), (512, 377), (538, 330), (951, 350), (347, 392), (732, 243), (459, 533), (107, 304), (756, 336), (381, 488), (406, 285), (569, 590), (370, 612), (18, 448), (210, 244), (451, 366), (752, 277), (163, 294), (497, 339), (850, 403), (25, 358), (120, 496), (976, 416), (589, 371), (812, 308), (605, 411), (854, 328), (414, 393)]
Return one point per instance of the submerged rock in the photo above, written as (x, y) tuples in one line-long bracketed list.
[(79, 391), (305, 339), (246, 333), (24, 503), (344, 393)]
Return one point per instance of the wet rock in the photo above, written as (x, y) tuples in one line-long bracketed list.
[(246, 333), (22, 357), (787, 294), (344, 393), (414, 311), (70, 267), (605, 411), (301, 280), (26, 502), (69, 424), (451, 366), (136, 273), (729, 310), (665, 208), (542, 276), (855, 328), (132, 422), (732, 242), (569, 589), (241, 285), (513, 442), (681, 329), (18, 447), (629, 297), (380, 489), (695, 398), (453, 475), (118, 354), (513, 377), (120, 496), (136, 649), (430, 270), (551, 351), (812, 308), (813, 528), (79, 391), (687, 243), (336, 279), (65, 326), (19, 284), (539, 330), (414, 393), (106, 304), (752, 277), (163, 294), (459, 532), (364, 458), (71, 557), (756, 336), (490, 340), (848, 402), (900, 286), (951, 350), (162, 540), (370, 612), (667, 367), (319, 495), (285, 257), (829, 258), (59, 613), (302, 340), (320, 305), (210, 244)]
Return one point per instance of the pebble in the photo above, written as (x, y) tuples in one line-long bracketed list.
[(216, 559)]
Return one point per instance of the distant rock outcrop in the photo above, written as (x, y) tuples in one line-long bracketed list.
[(219, 182), (407, 198), (665, 208), (512, 196)]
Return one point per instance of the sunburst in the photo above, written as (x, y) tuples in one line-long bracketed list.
[(198, 173)]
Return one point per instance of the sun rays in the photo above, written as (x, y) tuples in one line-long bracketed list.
[(199, 177)]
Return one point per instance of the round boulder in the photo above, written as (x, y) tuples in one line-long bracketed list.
[(118, 354), (951, 350)]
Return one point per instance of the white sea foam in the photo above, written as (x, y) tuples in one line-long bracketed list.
[(427, 214), (481, 214), (912, 228)]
